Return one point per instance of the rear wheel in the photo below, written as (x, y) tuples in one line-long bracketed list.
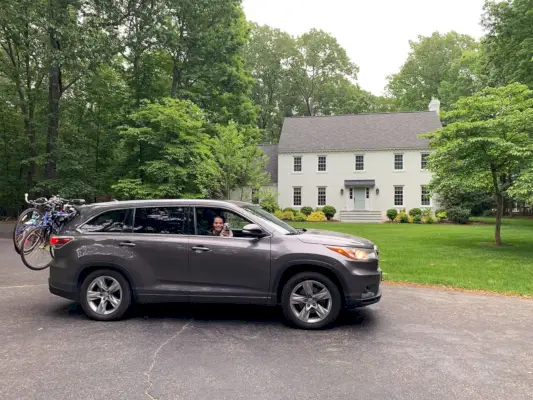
[(36, 253), (105, 295), (310, 300), (28, 219)]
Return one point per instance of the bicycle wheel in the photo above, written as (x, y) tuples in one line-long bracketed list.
[(29, 218), (35, 252)]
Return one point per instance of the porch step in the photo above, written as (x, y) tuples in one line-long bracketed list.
[(361, 216)]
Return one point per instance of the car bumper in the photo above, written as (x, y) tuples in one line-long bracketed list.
[(364, 290), (62, 290)]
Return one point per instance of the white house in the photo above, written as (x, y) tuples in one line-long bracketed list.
[(362, 164)]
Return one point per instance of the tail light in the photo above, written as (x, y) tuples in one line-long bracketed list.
[(59, 241)]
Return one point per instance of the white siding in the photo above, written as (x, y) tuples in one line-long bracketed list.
[(378, 166)]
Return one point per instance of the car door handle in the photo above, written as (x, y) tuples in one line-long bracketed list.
[(127, 244), (200, 248)]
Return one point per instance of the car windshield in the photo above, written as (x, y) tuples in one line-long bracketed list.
[(271, 220)]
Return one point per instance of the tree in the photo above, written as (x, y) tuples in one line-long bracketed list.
[(240, 161), (508, 45), (440, 65), (320, 62), (177, 158), (485, 144), (267, 55)]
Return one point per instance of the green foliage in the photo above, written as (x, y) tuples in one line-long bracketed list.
[(317, 216), (485, 144), (402, 217), (300, 217), (417, 218), (278, 214), (415, 211), (329, 211), (287, 216), (268, 201), (392, 213), (446, 66), (290, 209), (459, 215), (306, 210), (442, 215), (430, 220)]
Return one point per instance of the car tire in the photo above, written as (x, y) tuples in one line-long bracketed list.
[(91, 297), (296, 286)]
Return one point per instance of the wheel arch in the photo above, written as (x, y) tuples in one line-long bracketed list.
[(88, 268)]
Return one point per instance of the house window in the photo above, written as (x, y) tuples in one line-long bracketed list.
[(424, 160), (351, 193), (425, 198), (398, 161), (321, 196), (322, 163), (398, 195), (297, 166), (359, 163), (367, 193), (297, 196)]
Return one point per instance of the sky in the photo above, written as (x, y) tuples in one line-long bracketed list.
[(375, 33)]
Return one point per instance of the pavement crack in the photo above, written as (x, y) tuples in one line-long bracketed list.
[(148, 373)]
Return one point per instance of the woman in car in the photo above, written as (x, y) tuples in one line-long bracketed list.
[(219, 228)]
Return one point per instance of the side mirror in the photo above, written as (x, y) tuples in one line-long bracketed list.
[(253, 230)]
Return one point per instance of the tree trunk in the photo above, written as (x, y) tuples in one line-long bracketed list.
[(54, 96), (176, 80)]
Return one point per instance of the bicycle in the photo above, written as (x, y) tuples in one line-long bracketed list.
[(30, 217), (36, 238)]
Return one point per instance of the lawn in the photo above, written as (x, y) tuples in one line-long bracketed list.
[(462, 256)]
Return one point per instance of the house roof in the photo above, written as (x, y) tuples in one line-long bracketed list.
[(357, 132), (271, 151)]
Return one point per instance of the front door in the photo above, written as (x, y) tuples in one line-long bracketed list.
[(359, 198), (223, 268)]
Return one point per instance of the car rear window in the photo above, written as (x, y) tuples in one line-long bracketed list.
[(109, 221)]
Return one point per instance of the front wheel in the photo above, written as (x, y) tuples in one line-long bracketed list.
[(311, 300), (36, 253)]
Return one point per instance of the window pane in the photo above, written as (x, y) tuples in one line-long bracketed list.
[(322, 163), (297, 196), (161, 220), (398, 161), (398, 196), (367, 193), (424, 160), (205, 217), (321, 196), (110, 221), (297, 164), (359, 163), (426, 200)]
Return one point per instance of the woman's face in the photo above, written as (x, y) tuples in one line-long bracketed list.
[(218, 224)]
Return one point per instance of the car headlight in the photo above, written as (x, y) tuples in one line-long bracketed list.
[(355, 253)]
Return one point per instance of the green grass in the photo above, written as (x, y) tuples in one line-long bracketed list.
[(462, 256)]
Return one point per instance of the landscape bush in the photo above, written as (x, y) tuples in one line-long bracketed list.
[(317, 216), (329, 211), (415, 211), (459, 215), (300, 217), (306, 210), (392, 213)]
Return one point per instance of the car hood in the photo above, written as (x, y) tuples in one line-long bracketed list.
[(318, 236)]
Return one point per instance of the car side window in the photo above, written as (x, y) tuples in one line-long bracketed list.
[(205, 217), (109, 221), (162, 220)]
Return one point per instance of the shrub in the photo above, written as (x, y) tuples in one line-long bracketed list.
[(430, 220), (417, 219), (329, 211), (426, 213), (318, 209), (459, 215), (442, 215), (410, 219), (287, 216), (268, 202), (278, 214), (292, 210), (317, 216), (402, 217), (392, 213), (306, 210), (299, 217), (415, 211)]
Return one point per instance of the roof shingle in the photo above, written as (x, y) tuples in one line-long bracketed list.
[(357, 132)]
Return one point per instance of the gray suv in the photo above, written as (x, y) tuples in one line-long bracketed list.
[(151, 251)]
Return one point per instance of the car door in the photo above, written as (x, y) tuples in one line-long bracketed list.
[(235, 269), (158, 248)]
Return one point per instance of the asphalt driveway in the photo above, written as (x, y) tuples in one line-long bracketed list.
[(414, 344)]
